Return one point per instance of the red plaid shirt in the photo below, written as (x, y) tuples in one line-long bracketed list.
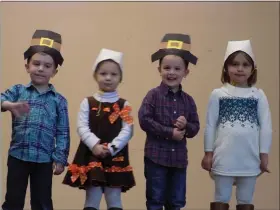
[(157, 114)]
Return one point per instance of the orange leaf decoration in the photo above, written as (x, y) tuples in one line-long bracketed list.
[(124, 114), (118, 159), (78, 172), (106, 109), (95, 164), (118, 169)]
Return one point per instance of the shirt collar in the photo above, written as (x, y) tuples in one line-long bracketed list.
[(165, 89), (51, 87)]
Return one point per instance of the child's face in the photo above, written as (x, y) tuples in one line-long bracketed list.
[(240, 70), (41, 68), (108, 76), (172, 70)]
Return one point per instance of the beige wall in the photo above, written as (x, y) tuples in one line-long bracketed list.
[(136, 29)]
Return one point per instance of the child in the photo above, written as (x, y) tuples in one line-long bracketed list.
[(168, 115), (238, 130), (101, 163), (40, 126)]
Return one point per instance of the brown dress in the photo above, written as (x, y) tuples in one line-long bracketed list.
[(105, 121)]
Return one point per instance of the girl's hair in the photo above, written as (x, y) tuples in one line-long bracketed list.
[(229, 61), (99, 64), (185, 62), (42, 53)]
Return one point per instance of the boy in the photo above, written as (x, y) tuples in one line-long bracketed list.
[(40, 126), (168, 115)]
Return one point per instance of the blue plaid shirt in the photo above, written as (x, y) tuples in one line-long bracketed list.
[(42, 135)]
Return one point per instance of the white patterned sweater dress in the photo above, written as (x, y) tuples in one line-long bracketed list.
[(238, 129)]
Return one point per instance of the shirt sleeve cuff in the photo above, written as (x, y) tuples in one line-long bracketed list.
[(90, 143), (112, 150), (264, 150), (169, 133), (2, 109), (188, 128), (57, 160), (208, 150)]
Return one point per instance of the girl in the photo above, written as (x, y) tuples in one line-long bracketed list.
[(101, 163), (238, 130)]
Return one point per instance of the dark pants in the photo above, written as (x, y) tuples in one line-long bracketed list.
[(40, 185), (165, 186)]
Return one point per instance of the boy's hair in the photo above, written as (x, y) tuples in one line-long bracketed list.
[(185, 62), (100, 63), (42, 53), (229, 61)]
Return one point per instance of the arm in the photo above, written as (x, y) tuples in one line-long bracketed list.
[(61, 152), (146, 118), (6, 106), (192, 126), (84, 132), (211, 122), (124, 136), (264, 116), (8, 97)]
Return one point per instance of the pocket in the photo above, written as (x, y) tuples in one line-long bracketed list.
[(49, 115)]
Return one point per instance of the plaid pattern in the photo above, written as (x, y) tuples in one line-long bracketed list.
[(157, 115), (42, 135)]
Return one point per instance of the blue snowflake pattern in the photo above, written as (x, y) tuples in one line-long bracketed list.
[(238, 109)]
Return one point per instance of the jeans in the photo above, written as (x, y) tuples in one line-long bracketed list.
[(165, 186)]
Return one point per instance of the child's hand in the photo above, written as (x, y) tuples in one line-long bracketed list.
[(264, 163), (207, 160), (178, 135), (181, 123), (100, 150), (58, 168), (18, 108)]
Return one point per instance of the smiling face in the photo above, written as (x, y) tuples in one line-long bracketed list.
[(41, 68), (172, 70)]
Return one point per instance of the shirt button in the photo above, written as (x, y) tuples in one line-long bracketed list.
[(166, 138), (174, 99), (175, 112), (173, 150)]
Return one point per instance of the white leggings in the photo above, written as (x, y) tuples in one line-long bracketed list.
[(245, 187), (112, 197)]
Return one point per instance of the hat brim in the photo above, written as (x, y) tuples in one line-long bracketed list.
[(186, 55), (56, 55), (243, 51)]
